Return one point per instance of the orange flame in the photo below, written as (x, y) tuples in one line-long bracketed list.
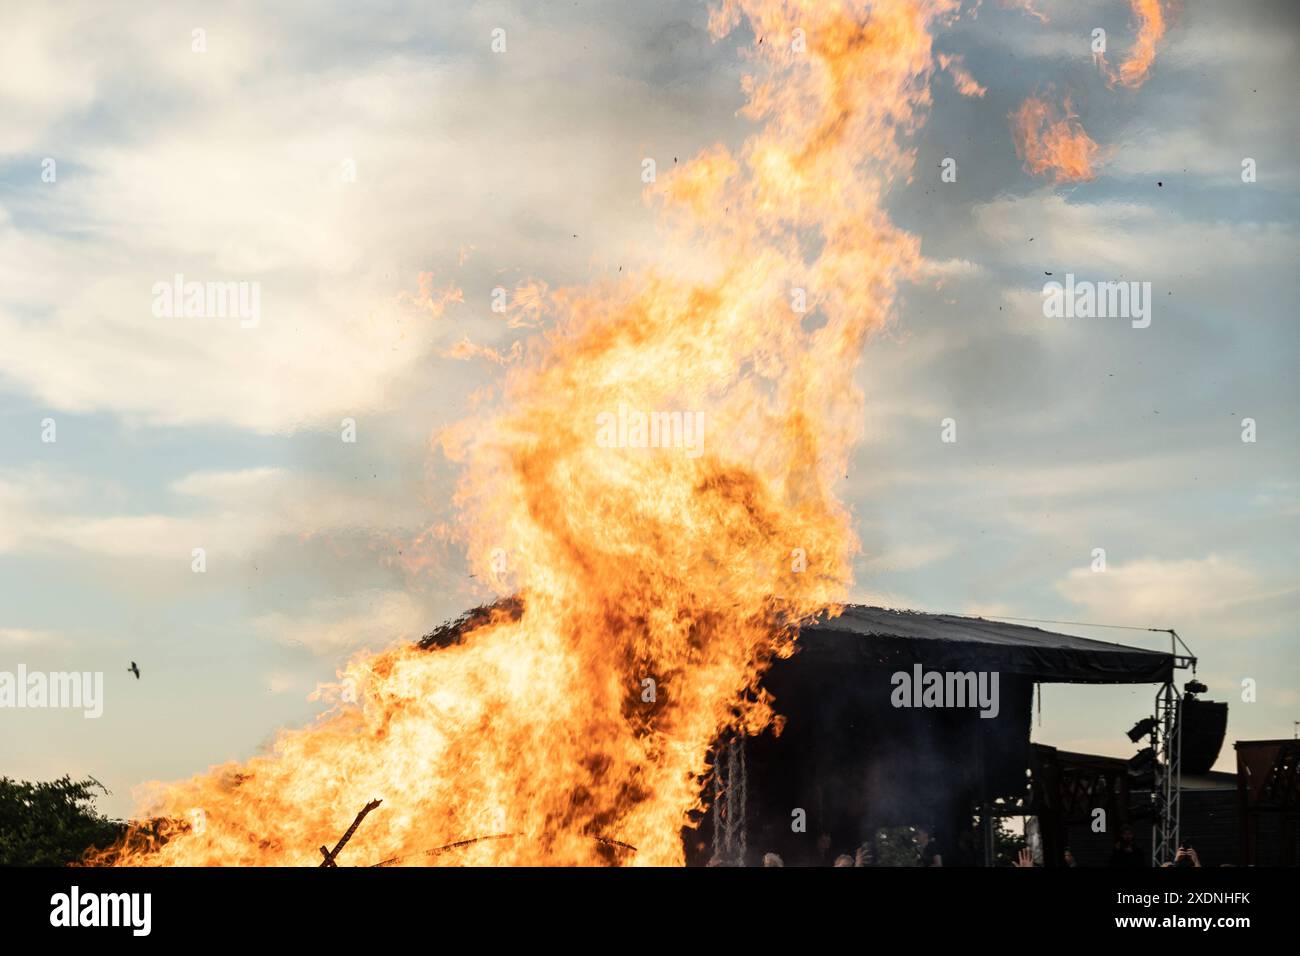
[(1027, 7), (669, 564), (1133, 72), (1053, 143), (961, 77)]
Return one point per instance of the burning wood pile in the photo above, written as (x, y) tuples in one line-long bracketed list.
[(577, 725)]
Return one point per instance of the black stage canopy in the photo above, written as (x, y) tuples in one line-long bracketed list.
[(951, 643)]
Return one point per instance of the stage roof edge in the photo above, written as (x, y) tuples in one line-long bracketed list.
[(878, 636)]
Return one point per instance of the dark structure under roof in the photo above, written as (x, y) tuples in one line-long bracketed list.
[(854, 758)]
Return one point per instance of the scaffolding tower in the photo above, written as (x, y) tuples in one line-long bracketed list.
[(1167, 743)]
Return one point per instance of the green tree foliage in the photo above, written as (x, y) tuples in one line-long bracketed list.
[(896, 846), (1006, 844), (51, 824)]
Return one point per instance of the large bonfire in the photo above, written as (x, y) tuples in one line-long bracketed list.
[(633, 564)]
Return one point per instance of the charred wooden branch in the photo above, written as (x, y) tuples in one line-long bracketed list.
[(439, 850), (331, 854)]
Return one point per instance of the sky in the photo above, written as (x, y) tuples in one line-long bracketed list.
[(334, 156)]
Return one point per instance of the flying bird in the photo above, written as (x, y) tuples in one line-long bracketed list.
[(133, 669)]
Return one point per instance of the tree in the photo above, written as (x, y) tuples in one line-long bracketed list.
[(1006, 843), (896, 846), (52, 824)]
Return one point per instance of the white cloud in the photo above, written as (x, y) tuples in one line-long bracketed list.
[(237, 175), (27, 498), (1131, 239), (955, 268), (18, 636), (1189, 149), (1213, 596), (238, 513), (1279, 499), (280, 683), (372, 618), (1226, 40), (909, 556), (47, 75), (1068, 482)]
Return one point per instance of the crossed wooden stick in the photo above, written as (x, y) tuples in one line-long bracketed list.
[(331, 854)]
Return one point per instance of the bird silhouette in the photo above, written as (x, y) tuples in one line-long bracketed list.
[(133, 669)]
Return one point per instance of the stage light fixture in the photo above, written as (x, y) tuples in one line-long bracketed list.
[(1142, 728)]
